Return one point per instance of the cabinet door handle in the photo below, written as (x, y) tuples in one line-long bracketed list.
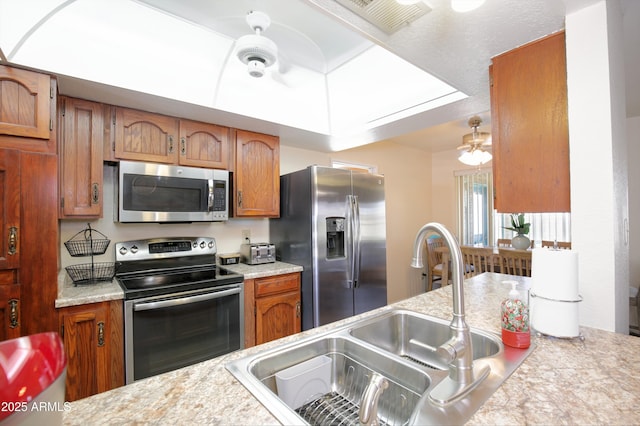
[(13, 240), (101, 333), (95, 193), (183, 146), (170, 143), (240, 199), (13, 313), (298, 309)]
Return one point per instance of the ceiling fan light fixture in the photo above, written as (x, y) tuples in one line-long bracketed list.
[(462, 6), (256, 50), (473, 143), (476, 157)]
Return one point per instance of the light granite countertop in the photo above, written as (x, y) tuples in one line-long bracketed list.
[(71, 295), (563, 381), (263, 270)]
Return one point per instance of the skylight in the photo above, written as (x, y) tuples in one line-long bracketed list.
[(128, 44)]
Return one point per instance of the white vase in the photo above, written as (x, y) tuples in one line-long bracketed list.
[(520, 242)]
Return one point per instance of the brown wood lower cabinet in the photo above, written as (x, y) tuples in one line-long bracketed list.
[(9, 311), (273, 305), (93, 342)]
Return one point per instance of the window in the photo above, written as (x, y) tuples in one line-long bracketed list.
[(544, 226), (475, 207), (479, 223)]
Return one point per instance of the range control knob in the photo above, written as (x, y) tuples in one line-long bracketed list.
[(195, 244), (210, 244), (123, 250), (134, 249), (203, 245)]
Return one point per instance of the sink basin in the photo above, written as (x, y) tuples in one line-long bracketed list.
[(399, 345), (416, 337), (352, 366)]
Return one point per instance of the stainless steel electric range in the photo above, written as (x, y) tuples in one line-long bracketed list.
[(179, 308)]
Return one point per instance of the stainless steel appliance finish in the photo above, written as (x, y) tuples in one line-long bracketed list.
[(258, 253), (149, 192), (180, 308), (332, 223), (397, 344)]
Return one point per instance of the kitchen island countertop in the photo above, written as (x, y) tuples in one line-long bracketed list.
[(563, 381)]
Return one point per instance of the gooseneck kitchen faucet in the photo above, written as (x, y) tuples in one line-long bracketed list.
[(457, 351)]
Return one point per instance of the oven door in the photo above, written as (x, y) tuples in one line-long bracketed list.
[(164, 333)]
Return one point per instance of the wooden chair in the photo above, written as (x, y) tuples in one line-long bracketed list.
[(434, 261), (477, 260), (503, 242), (515, 262), (563, 245)]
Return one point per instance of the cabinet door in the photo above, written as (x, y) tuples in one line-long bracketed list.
[(257, 175), (9, 209), (277, 316), (203, 145), (80, 158), (85, 331), (143, 136), (25, 98), (530, 128), (9, 311)]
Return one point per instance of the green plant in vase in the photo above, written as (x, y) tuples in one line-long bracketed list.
[(521, 228)]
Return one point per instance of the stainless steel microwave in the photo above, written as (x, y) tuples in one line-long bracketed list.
[(149, 192)]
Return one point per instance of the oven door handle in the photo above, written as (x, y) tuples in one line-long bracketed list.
[(146, 306)]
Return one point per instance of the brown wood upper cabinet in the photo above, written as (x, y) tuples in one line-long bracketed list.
[(204, 145), (26, 110), (530, 127), (257, 175), (144, 136), (81, 132)]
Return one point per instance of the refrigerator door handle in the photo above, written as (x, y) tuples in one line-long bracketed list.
[(350, 241), (356, 241)]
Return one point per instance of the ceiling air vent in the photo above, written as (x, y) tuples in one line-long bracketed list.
[(388, 15)]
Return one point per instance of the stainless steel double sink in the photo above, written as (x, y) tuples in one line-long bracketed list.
[(400, 346)]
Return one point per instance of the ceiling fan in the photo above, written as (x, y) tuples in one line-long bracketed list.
[(475, 145), (255, 50)]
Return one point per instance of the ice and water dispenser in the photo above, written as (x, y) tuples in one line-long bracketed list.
[(335, 237)]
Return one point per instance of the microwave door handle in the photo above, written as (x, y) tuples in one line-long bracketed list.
[(210, 199), (147, 306)]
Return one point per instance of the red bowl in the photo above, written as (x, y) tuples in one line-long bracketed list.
[(29, 366)]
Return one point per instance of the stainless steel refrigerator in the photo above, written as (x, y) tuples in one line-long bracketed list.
[(332, 223)]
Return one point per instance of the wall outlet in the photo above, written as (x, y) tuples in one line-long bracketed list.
[(246, 235)]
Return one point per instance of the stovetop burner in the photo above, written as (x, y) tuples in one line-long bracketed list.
[(162, 266)]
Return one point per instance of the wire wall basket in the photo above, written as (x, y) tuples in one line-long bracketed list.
[(84, 244), (91, 273)]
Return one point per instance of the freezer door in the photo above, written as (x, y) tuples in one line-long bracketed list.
[(332, 286), (371, 266)]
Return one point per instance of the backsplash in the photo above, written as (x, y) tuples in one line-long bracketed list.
[(228, 234)]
